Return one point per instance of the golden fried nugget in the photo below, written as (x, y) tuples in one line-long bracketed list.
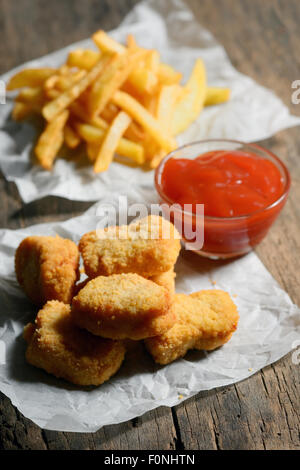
[(47, 268), (123, 306), (205, 320), (166, 280), (59, 347), (148, 247)]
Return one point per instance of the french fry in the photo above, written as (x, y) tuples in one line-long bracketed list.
[(21, 111), (143, 80), (111, 141), (167, 100), (50, 83), (109, 112), (216, 95), (145, 119), (90, 133), (190, 106), (92, 151), (155, 161), (152, 61), (52, 93), (34, 97), (65, 82), (131, 42), (71, 138), (79, 112), (167, 75), (83, 58), (126, 148), (51, 140), (106, 44), (111, 80), (64, 70), (29, 78), (55, 107), (134, 131), (131, 150)]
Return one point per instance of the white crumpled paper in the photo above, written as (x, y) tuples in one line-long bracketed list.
[(268, 329), (253, 113)]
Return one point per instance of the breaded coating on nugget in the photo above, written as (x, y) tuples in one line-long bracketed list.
[(59, 347), (148, 247), (166, 280), (123, 306), (47, 268), (205, 321)]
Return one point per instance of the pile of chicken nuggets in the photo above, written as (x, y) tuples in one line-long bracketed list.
[(83, 328)]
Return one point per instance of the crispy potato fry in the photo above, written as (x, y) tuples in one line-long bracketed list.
[(71, 138), (52, 93), (29, 78), (134, 131), (92, 151), (167, 100), (50, 83), (64, 70), (32, 96), (109, 112), (190, 106), (167, 75), (145, 119), (90, 133), (83, 58), (216, 96), (55, 107), (131, 150), (111, 80), (152, 61), (131, 42), (155, 161), (80, 113), (126, 148), (63, 83), (51, 140), (143, 80), (107, 44), (21, 111), (110, 142)]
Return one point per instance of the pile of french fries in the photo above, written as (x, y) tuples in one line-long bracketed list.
[(118, 100)]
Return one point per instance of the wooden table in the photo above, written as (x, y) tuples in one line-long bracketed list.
[(262, 40)]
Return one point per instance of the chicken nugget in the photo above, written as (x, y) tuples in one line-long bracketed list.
[(148, 247), (166, 280), (205, 321), (123, 306), (59, 347), (47, 268)]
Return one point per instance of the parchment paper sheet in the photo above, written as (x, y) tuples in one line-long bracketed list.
[(253, 113), (269, 325)]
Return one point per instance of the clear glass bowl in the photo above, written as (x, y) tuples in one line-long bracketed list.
[(226, 237)]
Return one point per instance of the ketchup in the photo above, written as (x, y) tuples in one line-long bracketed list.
[(242, 193), (228, 183)]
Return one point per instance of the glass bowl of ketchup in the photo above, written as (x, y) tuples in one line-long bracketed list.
[(241, 187)]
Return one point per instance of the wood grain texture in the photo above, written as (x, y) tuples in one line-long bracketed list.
[(262, 412)]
